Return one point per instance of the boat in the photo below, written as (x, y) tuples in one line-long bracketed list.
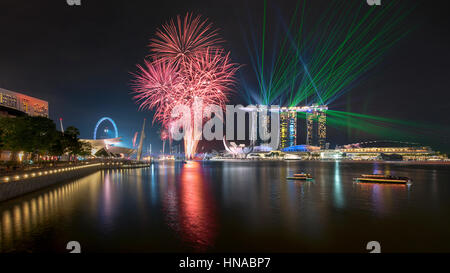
[(300, 176), (381, 178)]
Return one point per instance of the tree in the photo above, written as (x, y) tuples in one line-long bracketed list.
[(39, 135), (57, 146), (86, 148), (71, 143), (2, 139), (11, 134)]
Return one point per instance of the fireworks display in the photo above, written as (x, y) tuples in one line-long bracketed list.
[(187, 64), (158, 86), (184, 39), (164, 135)]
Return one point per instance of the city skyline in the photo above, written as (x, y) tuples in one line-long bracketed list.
[(224, 135), (81, 92)]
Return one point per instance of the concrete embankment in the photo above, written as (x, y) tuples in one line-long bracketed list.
[(42, 179), (16, 185)]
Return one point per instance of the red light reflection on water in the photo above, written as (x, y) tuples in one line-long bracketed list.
[(197, 214)]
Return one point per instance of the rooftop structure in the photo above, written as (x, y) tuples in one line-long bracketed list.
[(301, 148), (108, 146), (288, 123), (17, 104), (380, 149)]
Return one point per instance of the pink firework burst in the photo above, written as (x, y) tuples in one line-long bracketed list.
[(209, 76), (164, 134), (187, 66), (157, 85), (184, 38)]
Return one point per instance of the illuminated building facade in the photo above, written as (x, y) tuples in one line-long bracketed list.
[(301, 149), (309, 128), (316, 132), (376, 150), (108, 146), (322, 129), (374, 153), (14, 104), (288, 127), (316, 113)]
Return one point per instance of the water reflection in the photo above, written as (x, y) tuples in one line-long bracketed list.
[(187, 203), (197, 212), (228, 206), (338, 194), (107, 200), (381, 198), (169, 192), (21, 220)]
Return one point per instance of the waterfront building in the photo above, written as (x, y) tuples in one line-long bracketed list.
[(237, 150), (322, 129), (288, 127), (316, 113), (108, 147), (301, 149), (330, 154), (316, 131), (388, 150), (263, 148), (315, 124), (13, 104)]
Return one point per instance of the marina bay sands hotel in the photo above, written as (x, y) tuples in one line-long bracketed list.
[(316, 130), (315, 124)]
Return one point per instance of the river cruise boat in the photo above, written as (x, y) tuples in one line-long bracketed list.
[(300, 176), (381, 178)]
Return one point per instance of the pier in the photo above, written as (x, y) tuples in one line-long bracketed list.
[(16, 184)]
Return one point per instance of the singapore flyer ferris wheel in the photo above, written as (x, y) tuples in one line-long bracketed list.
[(116, 132)]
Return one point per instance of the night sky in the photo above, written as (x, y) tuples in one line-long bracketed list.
[(79, 59)]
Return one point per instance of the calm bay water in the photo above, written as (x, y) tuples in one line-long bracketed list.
[(237, 207)]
